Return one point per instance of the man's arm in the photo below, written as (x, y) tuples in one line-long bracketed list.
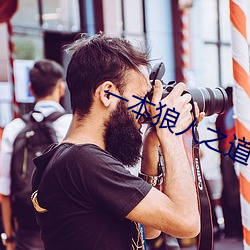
[(7, 220), (9, 134), (175, 211), (149, 166)]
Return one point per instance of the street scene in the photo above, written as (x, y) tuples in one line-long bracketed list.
[(124, 124)]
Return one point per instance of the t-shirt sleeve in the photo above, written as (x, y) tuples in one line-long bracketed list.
[(10, 133), (108, 184)]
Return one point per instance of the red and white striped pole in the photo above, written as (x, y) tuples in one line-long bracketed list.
[(185, 55), (15, 106), (185, 63), (241, 95)]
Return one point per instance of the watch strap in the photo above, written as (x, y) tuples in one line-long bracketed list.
[(154, 180), (5, 239)]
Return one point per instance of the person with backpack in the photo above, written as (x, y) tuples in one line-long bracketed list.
[(23, 139)]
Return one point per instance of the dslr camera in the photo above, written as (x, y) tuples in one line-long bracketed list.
[(210, 101)]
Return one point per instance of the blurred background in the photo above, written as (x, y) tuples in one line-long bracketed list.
[(192, 38), (194, 42)]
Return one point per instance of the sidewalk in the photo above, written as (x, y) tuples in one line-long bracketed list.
[(223, 244)]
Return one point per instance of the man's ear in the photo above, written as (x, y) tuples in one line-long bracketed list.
[(104, 91), (62, 88), (31, 90)]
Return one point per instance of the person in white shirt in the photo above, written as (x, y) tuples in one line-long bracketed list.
[(47, 86)]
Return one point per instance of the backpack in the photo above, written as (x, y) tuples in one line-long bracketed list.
[(37, 135)]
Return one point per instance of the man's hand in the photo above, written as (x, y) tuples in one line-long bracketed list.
[(174, 100)]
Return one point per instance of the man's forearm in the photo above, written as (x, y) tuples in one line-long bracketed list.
[(149, 166), (7, 215), (150, 158), (179, 182)]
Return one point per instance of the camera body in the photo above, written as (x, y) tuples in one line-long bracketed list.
[(210, 101)]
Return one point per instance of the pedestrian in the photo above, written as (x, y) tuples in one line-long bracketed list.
[(18, 148)]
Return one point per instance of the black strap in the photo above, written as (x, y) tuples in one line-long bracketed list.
[(51, 118), (50, 131), (54, 116), (205, 238)]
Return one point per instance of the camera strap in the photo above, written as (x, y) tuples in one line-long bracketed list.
[(205, 238)]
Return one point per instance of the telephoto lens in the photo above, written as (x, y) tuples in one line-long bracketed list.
[(210, 101)]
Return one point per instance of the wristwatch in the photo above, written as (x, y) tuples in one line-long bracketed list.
[(152, 179), (6, 239)]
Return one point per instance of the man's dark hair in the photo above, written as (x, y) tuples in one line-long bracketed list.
[(44, 76), (97, 59)]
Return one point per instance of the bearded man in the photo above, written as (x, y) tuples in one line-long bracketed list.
[(84, 196)]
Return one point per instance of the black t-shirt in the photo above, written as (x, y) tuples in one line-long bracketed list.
[(88, 194)]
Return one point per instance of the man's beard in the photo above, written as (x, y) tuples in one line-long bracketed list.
[(122, 137)]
